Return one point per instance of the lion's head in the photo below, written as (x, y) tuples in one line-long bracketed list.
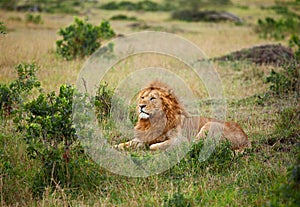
[(159, 110)]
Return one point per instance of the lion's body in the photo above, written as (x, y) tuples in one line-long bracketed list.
[(163, 120)]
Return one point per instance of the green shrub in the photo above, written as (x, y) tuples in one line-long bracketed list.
[(35, 19), (196, 5), (285, 81), (286, 25), (2, 28), (57, 6), (127, 5), (294, 42), (103, 102), (123, 17), (51, 139), (45, 122), (15, 18), (61, 8), (14, 94), (105, 30), (110, 6), (82, 38), (284, 11), (145, 5), (277, 29), (8, 4)]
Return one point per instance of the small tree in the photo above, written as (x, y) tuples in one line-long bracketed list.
[(82, 38)]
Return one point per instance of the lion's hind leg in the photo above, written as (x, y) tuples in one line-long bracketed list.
[(215, 129), (226, 130)]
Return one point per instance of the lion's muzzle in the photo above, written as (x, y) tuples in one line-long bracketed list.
[(142, 113)]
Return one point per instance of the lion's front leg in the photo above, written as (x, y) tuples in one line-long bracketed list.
[(134, 144), (161, 145)]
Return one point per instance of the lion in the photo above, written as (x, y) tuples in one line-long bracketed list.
[(162, 120)]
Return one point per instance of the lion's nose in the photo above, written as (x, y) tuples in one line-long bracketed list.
[(142, 106)]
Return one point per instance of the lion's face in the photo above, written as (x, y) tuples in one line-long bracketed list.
[(149, 104)]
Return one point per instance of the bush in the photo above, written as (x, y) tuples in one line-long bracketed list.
[(285, 26), (196, 5), (8, 4), (145, 5), (2, 28), (12, 96), (51, 140), (285, 81), (105, 31), (103, 102), (66, 7), (45, 122), (110, 6), (277, 29), (35, 19), (15, 18), (82, 39), (123, 17), (295, 43)]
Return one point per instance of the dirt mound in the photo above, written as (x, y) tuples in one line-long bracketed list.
[(266, 54), (207, 16)]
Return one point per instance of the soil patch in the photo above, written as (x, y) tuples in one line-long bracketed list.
[(276, 55), (206, 16)]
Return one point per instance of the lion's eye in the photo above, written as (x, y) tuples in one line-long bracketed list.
[(142, 97), (152, 98)]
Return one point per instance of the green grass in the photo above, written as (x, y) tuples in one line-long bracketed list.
[(253, 178)]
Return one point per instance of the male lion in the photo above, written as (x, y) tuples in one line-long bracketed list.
[(163, 120)]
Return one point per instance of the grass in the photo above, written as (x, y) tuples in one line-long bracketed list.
[(251, 179)]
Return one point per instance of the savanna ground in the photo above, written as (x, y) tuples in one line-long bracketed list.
[(256, 178)]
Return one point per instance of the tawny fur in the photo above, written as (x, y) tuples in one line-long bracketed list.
[(168, 121)]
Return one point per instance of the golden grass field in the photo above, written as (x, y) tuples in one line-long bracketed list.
[(36, 43)]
